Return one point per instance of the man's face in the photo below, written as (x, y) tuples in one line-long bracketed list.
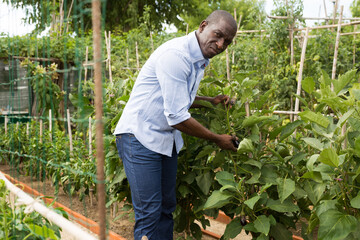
[(214, 38)]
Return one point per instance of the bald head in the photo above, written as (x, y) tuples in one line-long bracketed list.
[(216, 33), (219, 15)]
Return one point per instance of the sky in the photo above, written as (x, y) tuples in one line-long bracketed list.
[(10, 19)]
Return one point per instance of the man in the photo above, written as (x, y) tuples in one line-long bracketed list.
[(148, 134)]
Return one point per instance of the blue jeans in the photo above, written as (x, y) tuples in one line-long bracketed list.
[(152, 179)]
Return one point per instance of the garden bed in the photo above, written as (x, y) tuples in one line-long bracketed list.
[(121, 228)]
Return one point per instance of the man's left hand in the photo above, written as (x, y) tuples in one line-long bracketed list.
[(224, 99)]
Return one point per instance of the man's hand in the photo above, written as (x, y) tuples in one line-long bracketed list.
[(221, 99), (226, 142)]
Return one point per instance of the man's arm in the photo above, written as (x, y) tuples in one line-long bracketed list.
[(194, 128)]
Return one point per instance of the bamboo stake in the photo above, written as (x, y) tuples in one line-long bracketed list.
[(69, 130), (50, 125), (137, 55), (328, 26), (96, 23), (227, 66), (239, 21), (86, 62), (354, 46), (291, 108), (336, 47), (109, 56), (187, 29), (41, 130), (61, 13), (335, 11), (6, 127), (302, 60), (127, 57), (152, 42), (90, 137), (68, 16), (17, 126)]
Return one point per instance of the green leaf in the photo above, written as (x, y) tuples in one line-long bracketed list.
[(356, 93), (311, 161), (308, 84), (314, 142), (252, 201), (42, 231), (225, 178), (252, 120), (195, 230), (329, 157), (345, 117), (317, 118), (286, 206), (355, 202), (316, 176), (285, 188), (314, 190), (118, 178), (335, 225), (254, 163), (204, 182), (217, 199), (343, 80), (324, 206), (289, 129), (262, 224), (205, 152), (233, 229), (280, 232), (245, 146)]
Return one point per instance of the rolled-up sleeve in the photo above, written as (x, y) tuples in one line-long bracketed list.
[(173, 71)]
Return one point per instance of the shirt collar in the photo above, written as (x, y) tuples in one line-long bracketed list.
[(195, 51)]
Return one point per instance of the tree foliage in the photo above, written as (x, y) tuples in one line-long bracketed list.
[(129, 14)]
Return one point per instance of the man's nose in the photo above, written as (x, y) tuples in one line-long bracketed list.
[(220, 44)]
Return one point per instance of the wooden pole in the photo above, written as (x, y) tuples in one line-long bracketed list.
[(6, 127), (109, 56), (354, 46), (86, 62), (41, 130), (227, 65), (187, 29), (96, 23), (152, 42), (239, 22), (336, 47), (127, 57), (69, 130), (327, 26), (90, 137), (302, 60), (50, 125), (68, 16), (335, 11), (326, 20), (137, 55)]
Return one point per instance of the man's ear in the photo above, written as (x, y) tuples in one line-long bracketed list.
[(202, 26)]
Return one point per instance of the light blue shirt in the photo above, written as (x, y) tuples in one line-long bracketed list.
[(163, 93)]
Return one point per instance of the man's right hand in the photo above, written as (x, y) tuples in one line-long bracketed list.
[(226, 142)]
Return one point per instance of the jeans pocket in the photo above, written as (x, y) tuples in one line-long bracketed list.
[(119, 145)]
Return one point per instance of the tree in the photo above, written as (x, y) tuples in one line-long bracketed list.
[(355, 8), (124, 15), (252, 12)]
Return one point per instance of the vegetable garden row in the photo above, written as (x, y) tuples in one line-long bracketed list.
[(285, 175)]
